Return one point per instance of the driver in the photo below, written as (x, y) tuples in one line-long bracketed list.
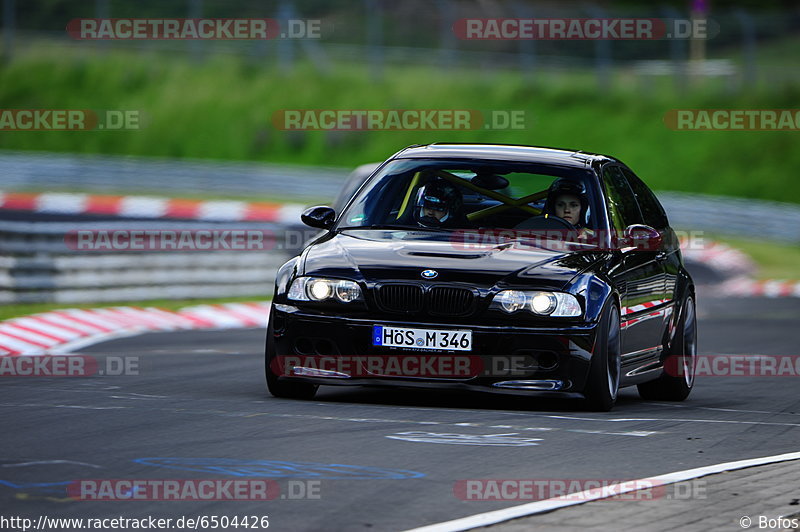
[(440, 204), (567, 199)]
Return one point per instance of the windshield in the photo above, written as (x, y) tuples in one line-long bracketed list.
[(447, 195)]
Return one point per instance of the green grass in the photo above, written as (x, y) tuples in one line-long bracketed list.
[(26, 309), (774, 261), (221, 109)]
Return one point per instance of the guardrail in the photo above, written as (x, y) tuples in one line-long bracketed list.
[(763, 220), (143, 175), (48, 171), (37, 265)]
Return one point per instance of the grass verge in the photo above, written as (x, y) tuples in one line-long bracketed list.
[(222, 108)]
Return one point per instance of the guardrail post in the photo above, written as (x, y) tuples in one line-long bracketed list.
[(196, 47), (748, 46), (447, 18), (102, 10), (527, 47), (677, 53), (285, 47), (374, 19), (602, 50), (9, 25)]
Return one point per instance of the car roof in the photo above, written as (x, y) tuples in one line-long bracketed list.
[(504, 152)]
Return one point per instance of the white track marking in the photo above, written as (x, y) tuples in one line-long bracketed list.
[(499, 516), (510, 439), (717, 409), (678, 420), (637, 433), (50, 462)]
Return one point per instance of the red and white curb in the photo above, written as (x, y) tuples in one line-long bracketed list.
[(738, 267), (746, 287), (61, 331), (151, 207), (717, 256)]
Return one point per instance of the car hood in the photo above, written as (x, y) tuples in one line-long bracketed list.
[(380, 255)]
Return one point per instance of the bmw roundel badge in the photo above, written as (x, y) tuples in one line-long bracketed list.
[(430, 274)]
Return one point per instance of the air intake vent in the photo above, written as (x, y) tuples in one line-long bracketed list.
[(400, 297), (447, 301)]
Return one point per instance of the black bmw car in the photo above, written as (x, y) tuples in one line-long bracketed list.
[(510, 269)]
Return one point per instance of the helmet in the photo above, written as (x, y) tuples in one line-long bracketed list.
[(435, 198), (562, 186)]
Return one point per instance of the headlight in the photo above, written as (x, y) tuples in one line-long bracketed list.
[(318, 289), (555, 304), (511, 300)]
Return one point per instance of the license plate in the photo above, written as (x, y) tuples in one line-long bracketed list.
[(434, 339)]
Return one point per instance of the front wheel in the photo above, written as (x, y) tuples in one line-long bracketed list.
[(604, 373), (677, 381), (283, 389)]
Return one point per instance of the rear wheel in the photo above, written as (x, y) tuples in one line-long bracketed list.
[(677, 380), (604, 373), (283, 389)]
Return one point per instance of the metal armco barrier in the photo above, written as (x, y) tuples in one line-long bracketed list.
[(37, 265), (143, 175), (763, 220)]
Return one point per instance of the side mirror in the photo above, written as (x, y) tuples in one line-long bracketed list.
[(643, 237), (320, 217)]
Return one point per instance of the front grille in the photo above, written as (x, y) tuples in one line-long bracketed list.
[(447, 301), (400, 297), (413, 299)]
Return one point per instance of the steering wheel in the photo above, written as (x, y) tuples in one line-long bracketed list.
[(550, 221), (565, 224)]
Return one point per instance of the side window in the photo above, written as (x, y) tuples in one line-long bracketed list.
[(622, 208), (652, 211)]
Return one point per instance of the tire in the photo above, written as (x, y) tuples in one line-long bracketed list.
[(283, 389), (682, 357), (602, 386)]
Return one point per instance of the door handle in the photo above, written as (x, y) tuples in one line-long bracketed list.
[(661, 256)]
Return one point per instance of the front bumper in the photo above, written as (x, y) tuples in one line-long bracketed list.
[(335, 350)]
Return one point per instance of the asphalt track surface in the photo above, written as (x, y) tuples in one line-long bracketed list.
[(380, 459)]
